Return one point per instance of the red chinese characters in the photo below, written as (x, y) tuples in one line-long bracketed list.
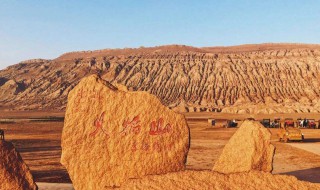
[(158, 128), (145, 147), (84, 96), (131, 126), (156, 147), (134, 146), (79, 96), (98, 124)]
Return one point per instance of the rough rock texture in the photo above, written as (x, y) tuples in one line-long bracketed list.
[(112, 135), (248, 149), (213, 180), (14, 173), (265, 78)]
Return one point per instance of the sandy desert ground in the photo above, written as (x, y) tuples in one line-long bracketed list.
[(39, 145)]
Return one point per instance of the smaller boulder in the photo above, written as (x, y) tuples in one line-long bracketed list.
[(14, 173), (248, 149)]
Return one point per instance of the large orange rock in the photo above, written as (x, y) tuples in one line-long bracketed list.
[(248, 149), (111, 135), (14, 173)]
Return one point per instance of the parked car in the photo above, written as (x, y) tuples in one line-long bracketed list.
[(265, 122), (287, 134), (275, 123), (311, 124), (231, 123), (288, 122)]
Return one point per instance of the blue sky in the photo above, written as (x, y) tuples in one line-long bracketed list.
[(46, 29)]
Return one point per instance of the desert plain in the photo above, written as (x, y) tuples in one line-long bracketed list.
[(39, 144)]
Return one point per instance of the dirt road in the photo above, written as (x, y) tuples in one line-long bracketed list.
[(310, 147)]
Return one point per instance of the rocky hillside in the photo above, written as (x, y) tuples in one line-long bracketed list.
[(263, 78)]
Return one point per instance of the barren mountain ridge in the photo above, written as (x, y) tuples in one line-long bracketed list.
[(263, 78)]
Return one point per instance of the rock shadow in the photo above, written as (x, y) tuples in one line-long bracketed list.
[(310, 175), (311, 140), (51, 176)]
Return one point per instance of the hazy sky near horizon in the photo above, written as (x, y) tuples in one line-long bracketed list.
[(46, 29)]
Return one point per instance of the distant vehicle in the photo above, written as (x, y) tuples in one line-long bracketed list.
[(287, 134), (288, 122), (231, 123), (276, 123), (265, 122), (299, 123), (212, 122), (250, 119), (311, 124), (1, 134)]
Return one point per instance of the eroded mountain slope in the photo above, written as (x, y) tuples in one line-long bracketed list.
[(260, 79)]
